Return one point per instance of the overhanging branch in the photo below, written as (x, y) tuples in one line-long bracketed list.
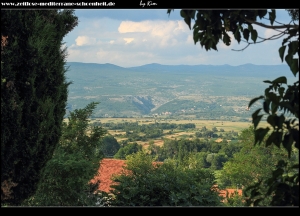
[(274, 37), (272, 27), (241, 49)]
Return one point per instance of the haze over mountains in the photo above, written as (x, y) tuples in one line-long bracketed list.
[(202, 91)]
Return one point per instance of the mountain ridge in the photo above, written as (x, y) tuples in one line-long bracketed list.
[(249, 69), (203, 90)]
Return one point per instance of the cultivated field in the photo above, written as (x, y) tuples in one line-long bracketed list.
[(227, 126), (209, 124), (176, 134)]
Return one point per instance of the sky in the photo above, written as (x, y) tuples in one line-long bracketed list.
[(135, 37)]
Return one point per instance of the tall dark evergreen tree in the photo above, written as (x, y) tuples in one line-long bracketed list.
[(33, 95)]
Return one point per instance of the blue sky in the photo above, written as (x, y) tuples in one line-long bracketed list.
[(136, 37)]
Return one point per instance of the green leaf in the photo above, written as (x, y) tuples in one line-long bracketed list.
[(260, 133), (210, 43), (196, 35), (214, 46), (267, 90), (281, 52), (293, 47), (266, 106), (254, 100), (246, 33), (254, 35), (280, 80), (276, 138), (193, 13), (288, 58), (273, 97), (237, 35), (226, 39), (188, 21), (272, 16), (201, 23), (279, 121), (267, 81), (256, 120), (294, 66), (250, 27), (169, 11), (262, 13), (271, 120), (255, 114), (274, 108), (281, 91), (183, 14)]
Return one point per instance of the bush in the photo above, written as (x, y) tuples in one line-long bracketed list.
[(145, 183), (127, 150), (110, 146), (65, 180)]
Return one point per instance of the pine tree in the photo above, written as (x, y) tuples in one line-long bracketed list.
[(33, 95)]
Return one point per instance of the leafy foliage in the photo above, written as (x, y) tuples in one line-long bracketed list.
[(252, 163), (127, 150), (33, 95), (283, 187), (65, 180), (110, 146), (280, 102), (234, 200), (145, 183)]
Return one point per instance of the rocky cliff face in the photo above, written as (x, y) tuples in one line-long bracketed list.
[(143, 103)]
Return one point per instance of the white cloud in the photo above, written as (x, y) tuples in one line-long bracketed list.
[(154, 28), (85, 40), (190, 39), (128, 40), (124, 59), (73, 53), (129, 26), (129, 43)]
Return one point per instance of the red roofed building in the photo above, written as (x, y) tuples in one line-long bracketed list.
[(230, 192), (107, 168)]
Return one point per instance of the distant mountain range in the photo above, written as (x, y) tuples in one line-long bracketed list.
[(175, 90), (227, 70)]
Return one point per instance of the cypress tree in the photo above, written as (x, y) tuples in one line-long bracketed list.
[(33, 95)]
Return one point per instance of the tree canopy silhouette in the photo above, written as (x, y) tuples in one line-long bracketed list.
[(280, 100)]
